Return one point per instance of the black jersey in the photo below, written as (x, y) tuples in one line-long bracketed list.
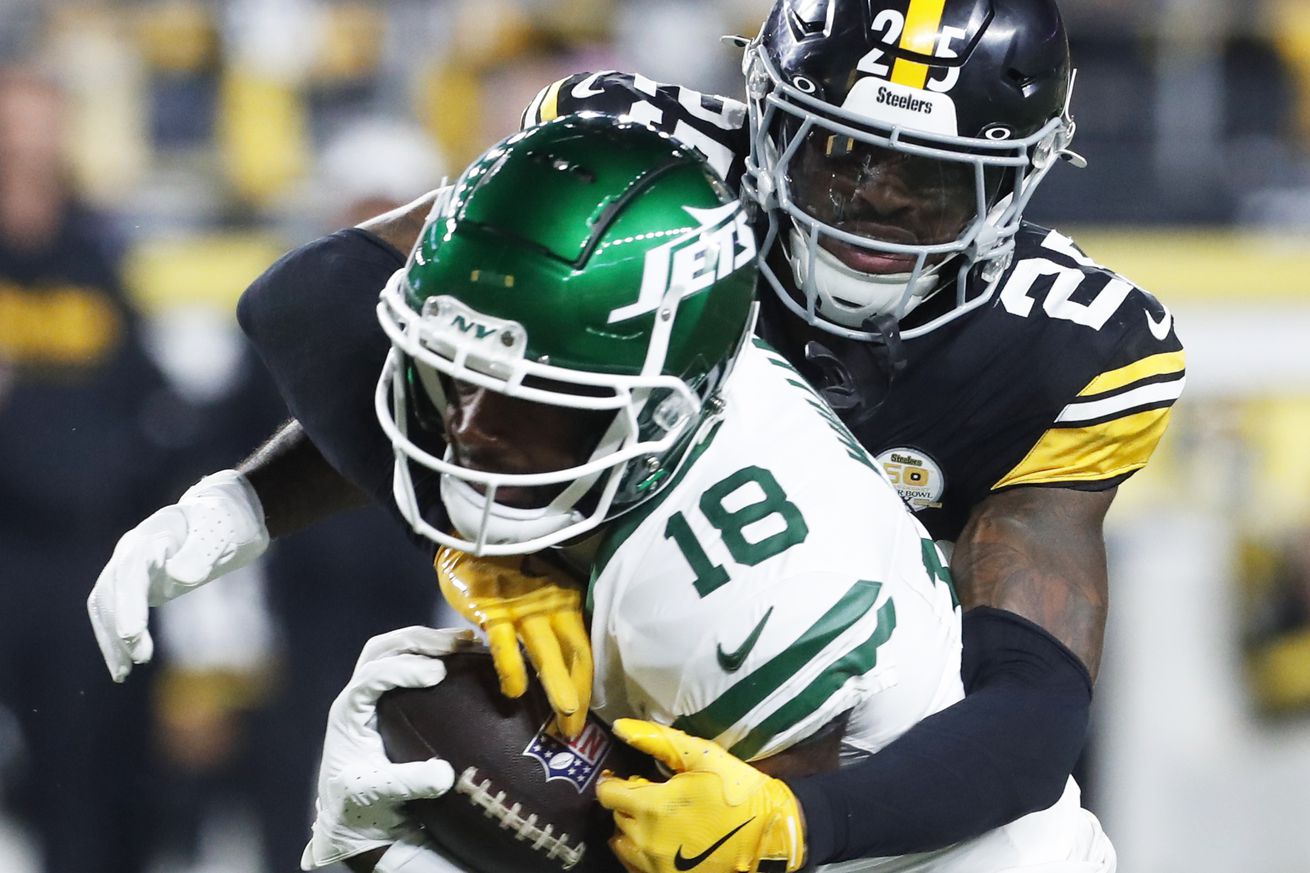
[(1064, 378)]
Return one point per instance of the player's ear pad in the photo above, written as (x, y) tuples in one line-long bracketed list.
[(524, 799)]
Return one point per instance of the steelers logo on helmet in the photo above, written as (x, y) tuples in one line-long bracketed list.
[(904, 166)]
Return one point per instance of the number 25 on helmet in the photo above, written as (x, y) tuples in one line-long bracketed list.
[(559, 333)]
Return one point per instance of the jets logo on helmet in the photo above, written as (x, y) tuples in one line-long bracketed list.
[(592, 266), (894, 146), (719, 244)]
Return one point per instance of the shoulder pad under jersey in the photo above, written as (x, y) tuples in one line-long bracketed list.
[(1103, 352)]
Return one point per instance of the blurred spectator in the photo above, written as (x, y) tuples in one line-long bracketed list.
[(372, 166), (74, 382), (1274, 582), (252, 665)]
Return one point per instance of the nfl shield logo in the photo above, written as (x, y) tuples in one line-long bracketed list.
[(575, 761)]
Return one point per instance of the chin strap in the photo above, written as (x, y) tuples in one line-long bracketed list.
[(856, 384)]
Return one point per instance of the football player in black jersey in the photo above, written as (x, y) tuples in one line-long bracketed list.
[(1006, 381)]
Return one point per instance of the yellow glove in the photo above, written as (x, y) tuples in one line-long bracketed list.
[(540, 606), (716, 814)]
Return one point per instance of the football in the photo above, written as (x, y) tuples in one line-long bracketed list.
[(524, 799)]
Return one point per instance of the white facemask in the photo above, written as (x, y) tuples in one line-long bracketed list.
[(505, 524), (848, 296)]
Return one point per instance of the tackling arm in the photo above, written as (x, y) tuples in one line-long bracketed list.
[(1040, 553), (1031, 569), (325, 368), (296, 485), (400, 227)]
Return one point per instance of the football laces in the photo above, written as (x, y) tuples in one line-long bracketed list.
[(525, 828)]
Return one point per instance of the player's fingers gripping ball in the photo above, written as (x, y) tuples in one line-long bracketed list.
[(716, 813), (537, 604)]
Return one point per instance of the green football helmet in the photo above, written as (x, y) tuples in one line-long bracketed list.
[(591, 264)]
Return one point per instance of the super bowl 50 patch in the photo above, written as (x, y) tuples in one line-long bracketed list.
[(917, 477)]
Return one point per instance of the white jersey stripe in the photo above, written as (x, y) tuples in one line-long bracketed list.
[(1089, 410)]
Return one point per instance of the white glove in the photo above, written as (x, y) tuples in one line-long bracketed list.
[(416, 854), (216, 527), (361, 792)]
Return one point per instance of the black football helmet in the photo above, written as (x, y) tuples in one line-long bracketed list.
[(895, 144)]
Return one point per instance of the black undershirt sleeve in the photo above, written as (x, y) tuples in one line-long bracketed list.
[(312, 318), (1002, 752)]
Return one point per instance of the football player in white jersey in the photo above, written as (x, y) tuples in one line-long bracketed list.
[(572, 370)]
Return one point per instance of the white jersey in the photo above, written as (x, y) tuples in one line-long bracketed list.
[(778, 582)]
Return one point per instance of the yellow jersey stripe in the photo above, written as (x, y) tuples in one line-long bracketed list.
[(1100, 407), (922, 22), (1091, 454), (550, 104), (1154, 365)]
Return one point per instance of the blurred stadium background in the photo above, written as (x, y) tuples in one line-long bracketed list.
[(216, 135)]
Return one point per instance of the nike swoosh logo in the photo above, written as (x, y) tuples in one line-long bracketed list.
[(1160, 329), (585, 89), (683, 863), (731, 661)]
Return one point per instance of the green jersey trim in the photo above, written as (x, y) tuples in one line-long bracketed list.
[(751, 690), (622, 527), (854, 450), (857, 662), (937, 571)]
